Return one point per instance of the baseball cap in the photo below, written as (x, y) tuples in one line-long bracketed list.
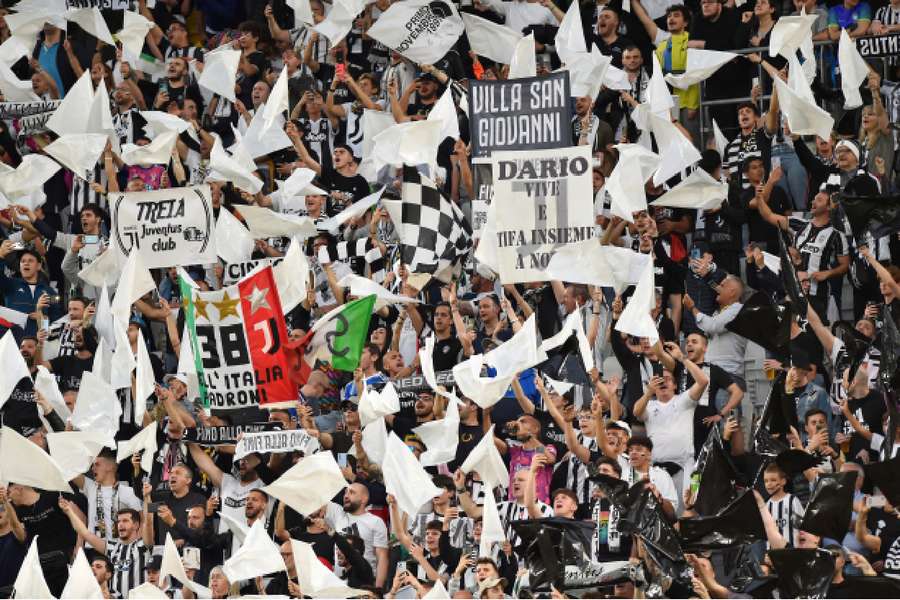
[(621, 425), (182, 377)]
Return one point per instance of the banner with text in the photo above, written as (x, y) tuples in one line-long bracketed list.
[(221, 435), (170, 227), (877, 46), (543, 202), (519, 114), (276, 441), (17, 110), (238, 336), (234, 272)]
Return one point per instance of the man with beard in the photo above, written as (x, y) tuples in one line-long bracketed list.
[(353, 518), (234, 492), (129, 552), (69, 369), (607, 38), (403, 425), (128, 121), (61, 339), (524, 449), (83, 249), (177, 501), (824, 254)]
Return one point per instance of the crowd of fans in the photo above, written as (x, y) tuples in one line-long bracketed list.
[(644, 415)]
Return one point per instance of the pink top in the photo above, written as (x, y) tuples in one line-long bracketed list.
[(520, 458)]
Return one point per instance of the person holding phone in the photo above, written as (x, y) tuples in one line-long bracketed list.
[(29, 292), (668, 414)]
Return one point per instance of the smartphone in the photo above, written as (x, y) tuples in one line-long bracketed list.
[(91, 239), (696, 254), (342, 459), (45, 325), (776, 162), (153, 507), (340, 70), (539, 450), (18, 246), (755, 82), (657, 368), (875, 501), (163, 87)]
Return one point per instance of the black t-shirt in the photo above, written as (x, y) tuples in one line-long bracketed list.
[(469, 436), (257, 59), (11, 555), (46, 520), (354, 186), (447, 353), (887, 527), (761, 231), (868, 410), (69, 369), (419, 108), (180, 508), (615, 49), (718, 380), (551, 434)]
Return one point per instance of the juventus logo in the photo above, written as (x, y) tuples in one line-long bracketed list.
[(270, 334)]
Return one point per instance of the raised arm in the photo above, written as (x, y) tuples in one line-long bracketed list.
[(206, 464), (465, 498)]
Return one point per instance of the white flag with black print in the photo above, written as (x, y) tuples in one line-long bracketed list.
[(434, 234)]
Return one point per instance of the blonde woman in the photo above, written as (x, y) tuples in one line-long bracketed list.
[(875, 137)]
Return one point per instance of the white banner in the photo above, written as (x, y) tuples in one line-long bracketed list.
[(421, 30), (275, 441), (234, 272), (544, 202), (168, 227)]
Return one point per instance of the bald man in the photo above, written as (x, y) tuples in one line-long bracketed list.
[(526, 448), (353, 518)]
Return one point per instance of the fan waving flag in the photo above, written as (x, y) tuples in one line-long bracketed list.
[(434, 234), (238, 337), (339, 336)]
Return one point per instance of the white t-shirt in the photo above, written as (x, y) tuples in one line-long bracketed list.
[(367, 526), (659, 477), (124, 498), (233, 498), (670, 426)]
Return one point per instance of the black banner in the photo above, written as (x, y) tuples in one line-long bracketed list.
[(417, 383), (879, 46), (226, 434), (531, 113)]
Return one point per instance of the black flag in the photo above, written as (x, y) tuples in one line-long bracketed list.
[(738, 523), (718, 476), (803, 572), (879, 215), (762, 321), (829, 510), (789, 277)]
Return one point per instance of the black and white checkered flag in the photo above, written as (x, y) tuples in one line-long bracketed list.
[(434, 234)]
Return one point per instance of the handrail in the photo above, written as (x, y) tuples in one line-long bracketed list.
[(764, 50)]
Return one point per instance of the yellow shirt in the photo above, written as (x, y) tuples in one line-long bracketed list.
[(676, 46)]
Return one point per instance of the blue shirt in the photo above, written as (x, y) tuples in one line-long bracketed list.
[(48, 63)]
